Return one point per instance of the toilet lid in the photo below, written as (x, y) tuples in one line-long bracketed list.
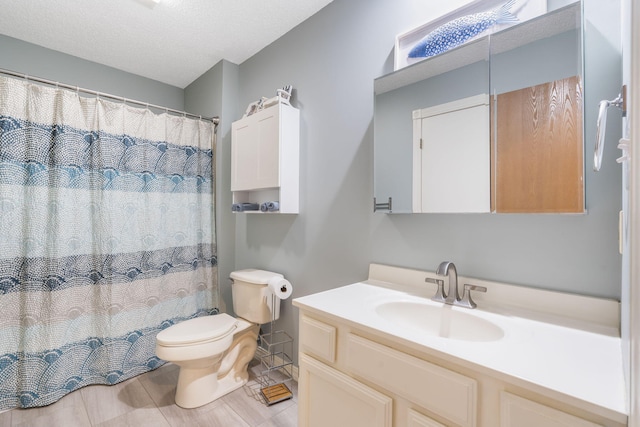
[(197, 330), (251, 275)]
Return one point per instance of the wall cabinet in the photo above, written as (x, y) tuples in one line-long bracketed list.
[(351, 377), (265, 158), (537, 144)]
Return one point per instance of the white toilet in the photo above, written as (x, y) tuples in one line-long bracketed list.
[(213, 352)]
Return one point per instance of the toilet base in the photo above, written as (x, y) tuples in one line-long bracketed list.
[(199, 385), (197, 388)]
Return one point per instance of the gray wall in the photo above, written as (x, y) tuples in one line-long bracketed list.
[(331, 60), (17, 55), (215, 93)]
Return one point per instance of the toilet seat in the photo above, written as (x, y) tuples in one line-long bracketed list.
[(199, 330)]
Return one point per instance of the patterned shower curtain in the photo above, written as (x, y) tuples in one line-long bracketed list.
[(107, 236)]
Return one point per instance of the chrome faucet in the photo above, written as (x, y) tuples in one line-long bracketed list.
[(447, 268), (452, 297)]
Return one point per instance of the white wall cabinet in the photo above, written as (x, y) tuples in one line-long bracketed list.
[(451, 157), (265, 158), (351, 377)]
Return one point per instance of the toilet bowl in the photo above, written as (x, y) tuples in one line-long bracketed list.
[(213, 352)]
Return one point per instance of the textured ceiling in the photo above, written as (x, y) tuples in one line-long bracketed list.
[(174, 42)]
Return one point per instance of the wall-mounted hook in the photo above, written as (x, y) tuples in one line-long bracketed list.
[(620, 102), (382, 206)]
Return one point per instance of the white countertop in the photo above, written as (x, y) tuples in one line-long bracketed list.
[(559, 359)]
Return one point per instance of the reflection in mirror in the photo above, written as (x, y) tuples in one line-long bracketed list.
[(536, 148), (459, 74), (449, 138), (537, 142)]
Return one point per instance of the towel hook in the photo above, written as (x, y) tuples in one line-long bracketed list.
[(621, 103)]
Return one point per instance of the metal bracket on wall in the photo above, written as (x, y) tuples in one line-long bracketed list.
[(621, 103), (381, 206)]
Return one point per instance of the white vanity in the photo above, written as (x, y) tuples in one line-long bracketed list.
[(381, 353)]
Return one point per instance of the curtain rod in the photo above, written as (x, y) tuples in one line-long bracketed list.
[(27, 77)]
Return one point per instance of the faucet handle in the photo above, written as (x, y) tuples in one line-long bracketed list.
[(440, 295), (466, 300)]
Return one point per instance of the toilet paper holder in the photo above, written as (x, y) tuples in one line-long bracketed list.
[(276, 348)]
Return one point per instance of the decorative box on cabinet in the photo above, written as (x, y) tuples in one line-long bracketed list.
[(265, 158)]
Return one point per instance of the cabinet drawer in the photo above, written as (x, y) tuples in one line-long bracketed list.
[(516, 411), (318, 338), (441, 391)]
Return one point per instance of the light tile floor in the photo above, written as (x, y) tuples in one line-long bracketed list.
[(148, 400)]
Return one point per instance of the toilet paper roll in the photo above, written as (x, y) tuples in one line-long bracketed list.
[(280, 287)]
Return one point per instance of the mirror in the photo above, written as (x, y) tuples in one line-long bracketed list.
[(494, 125)]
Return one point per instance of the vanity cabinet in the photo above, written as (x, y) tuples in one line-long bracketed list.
[(350, 376), (265, 157), (348, 380)]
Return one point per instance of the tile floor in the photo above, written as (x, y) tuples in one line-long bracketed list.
[(148, 400)]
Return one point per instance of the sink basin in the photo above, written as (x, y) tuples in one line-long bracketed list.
[(441, 321)]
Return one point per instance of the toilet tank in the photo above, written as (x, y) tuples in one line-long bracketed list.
[(252, 299)]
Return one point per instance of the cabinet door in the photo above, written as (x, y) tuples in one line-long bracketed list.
[(455, 166), (516, 411), (327, 397), (255, 151), (416, 419), (443, 392)]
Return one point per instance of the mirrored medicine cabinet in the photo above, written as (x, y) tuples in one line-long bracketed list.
[(495, 125)]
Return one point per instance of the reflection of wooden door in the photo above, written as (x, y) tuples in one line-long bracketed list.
[(539, 149)]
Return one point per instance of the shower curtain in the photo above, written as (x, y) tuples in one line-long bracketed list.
[(107, 236)]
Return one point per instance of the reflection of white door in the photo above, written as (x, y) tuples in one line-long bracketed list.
[(452, 169)]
